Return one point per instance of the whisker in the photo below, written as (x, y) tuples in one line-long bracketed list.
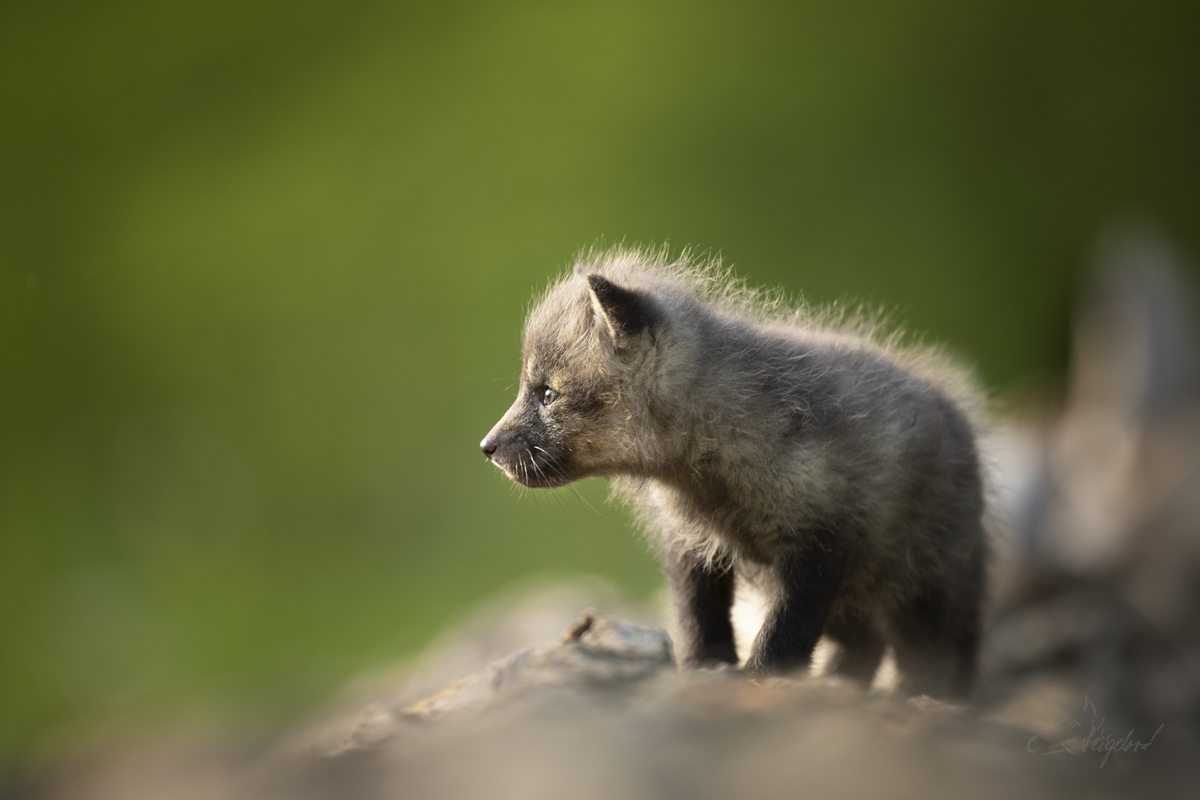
[(533, 463), (546, 481), (550, 462)]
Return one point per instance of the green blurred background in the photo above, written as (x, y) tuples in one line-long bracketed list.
[(263, 267)]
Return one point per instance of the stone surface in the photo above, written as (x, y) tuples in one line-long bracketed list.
[(594, 651)]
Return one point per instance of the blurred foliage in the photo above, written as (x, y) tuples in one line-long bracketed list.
[(263, 268)]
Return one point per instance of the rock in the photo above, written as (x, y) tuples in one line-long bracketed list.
[(595, 650)]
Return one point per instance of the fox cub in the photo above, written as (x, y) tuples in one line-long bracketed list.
[(778, 446)]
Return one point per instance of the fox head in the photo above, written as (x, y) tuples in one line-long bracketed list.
[(588, 389)]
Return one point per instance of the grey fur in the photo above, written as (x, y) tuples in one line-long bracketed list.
[(783, 446)]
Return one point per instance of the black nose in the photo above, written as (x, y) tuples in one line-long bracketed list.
[(487, 446)]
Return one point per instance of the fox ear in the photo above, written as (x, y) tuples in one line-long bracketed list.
[(626, 313)]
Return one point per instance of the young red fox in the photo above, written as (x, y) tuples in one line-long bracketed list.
[(759, 443)]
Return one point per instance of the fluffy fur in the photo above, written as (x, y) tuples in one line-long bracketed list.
[(836, 470)]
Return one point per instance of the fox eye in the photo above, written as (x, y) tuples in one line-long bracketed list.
[(549, 396)]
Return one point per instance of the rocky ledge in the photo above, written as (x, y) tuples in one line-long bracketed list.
[(605, 713)]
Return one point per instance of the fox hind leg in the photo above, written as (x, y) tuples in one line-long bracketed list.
[(861, 647), (936, 643)]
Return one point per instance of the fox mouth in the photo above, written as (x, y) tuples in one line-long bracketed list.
[(534, 469)]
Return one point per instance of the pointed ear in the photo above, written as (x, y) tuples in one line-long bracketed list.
[(626, 313)]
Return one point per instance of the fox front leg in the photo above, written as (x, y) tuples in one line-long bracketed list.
[(807, 580), (703, 596)]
